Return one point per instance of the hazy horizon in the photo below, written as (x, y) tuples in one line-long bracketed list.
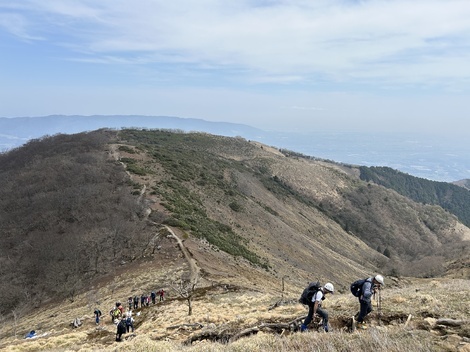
[(435, 157)]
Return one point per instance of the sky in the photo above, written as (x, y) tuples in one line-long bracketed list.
[(288, 65)]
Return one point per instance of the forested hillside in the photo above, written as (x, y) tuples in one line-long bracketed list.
[(451, 197), (67, 214)]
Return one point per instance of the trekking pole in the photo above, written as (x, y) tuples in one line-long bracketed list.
[(379, 308)]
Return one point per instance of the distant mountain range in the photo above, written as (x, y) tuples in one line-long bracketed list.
[(431, 158)]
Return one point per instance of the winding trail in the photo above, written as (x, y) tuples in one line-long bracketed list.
[(194, 269)]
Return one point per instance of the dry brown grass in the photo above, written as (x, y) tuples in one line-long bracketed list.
[(239, 309)]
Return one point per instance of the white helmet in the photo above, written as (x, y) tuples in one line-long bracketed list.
[(379, 279), (329, 287)]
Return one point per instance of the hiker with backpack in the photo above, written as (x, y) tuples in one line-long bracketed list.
[(363, 290), (129, 321), (313, 295), (116, 313)]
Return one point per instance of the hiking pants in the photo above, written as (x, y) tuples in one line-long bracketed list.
[(321, 312), (366, 308)]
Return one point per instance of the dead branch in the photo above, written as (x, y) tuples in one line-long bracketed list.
[(408, 320), (195, 325), (449, 322), (244, 333), (225, 336), (278, 327), (221, 335)]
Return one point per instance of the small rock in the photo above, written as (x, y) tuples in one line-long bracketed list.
[(429, 323)]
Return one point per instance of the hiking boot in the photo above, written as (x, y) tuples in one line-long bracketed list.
[(303, 328), (362, 326)]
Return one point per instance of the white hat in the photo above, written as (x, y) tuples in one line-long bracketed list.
[(329, 287), (379, 279)]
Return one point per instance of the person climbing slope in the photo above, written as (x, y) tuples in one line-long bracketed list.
[(314, 305), (364, 289)]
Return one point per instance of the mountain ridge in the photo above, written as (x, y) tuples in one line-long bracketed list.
[(81, 213), (411, 153), (277, 214)]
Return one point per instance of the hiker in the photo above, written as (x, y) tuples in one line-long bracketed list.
[(130, 302), (129, 321), (142, 300), (120, 307), (121, 329), (153, 295), (136, 302), (97, 314), (314, 307), (161, 294), (115, 315), (366, 288)]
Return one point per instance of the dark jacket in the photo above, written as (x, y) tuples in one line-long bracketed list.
[(121, 328)]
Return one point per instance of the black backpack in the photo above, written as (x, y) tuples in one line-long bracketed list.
[(309, 291), (356, 287)]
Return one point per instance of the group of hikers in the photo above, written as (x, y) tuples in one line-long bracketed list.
[(124, 321), (363, 289), (312, 296), (133, 302)]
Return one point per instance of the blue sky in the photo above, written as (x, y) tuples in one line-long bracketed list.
[(367, 65)]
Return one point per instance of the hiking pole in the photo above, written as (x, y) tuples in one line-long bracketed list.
[(379, 308)]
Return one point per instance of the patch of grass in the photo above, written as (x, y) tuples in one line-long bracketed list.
[(133, 167), (235, 206), (125, 148)]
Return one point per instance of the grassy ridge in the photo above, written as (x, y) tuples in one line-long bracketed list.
[(186, 168)]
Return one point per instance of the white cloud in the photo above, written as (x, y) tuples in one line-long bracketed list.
[(16, 25), (390, 41), (279, 64)]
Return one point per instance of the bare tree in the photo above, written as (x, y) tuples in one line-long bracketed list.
[(186, 289)]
